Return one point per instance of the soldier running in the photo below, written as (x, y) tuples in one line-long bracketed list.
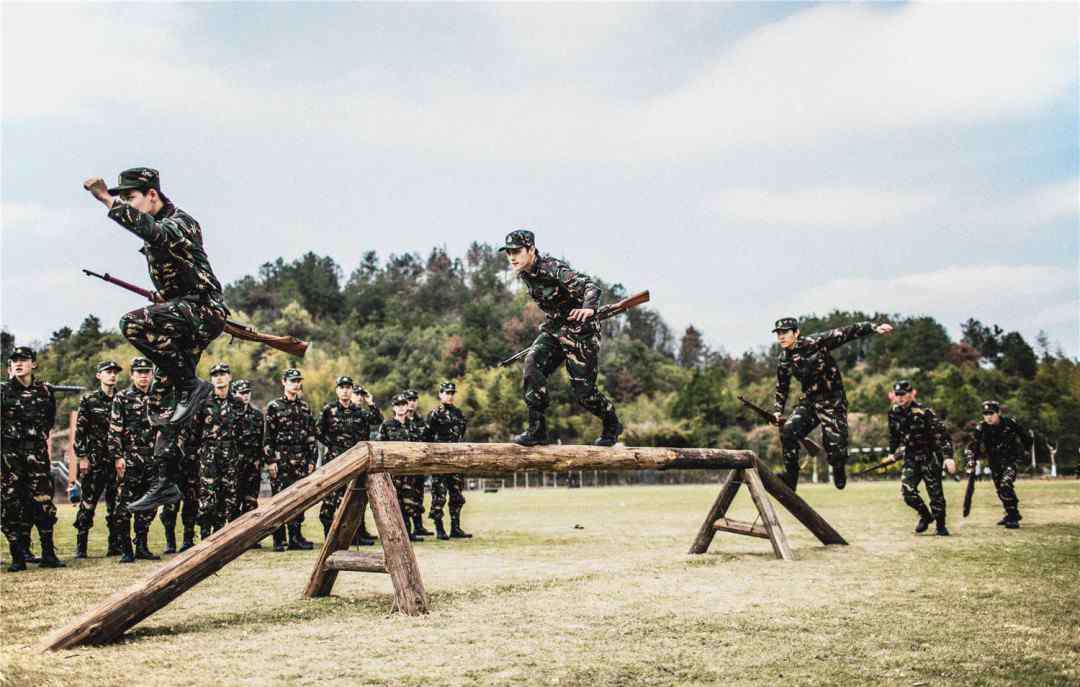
[(131, 443), (824, 401), (447, 423), (1001, 440), (290, 450), (569, 299), (97, 474), (920, 437)]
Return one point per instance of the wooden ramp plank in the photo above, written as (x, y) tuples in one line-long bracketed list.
[(409, 595), (798, 507)]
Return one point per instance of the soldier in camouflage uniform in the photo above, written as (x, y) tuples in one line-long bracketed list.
[(446, 424), (187, 508), (341, 425), (373, 416), (251, 443), (417, 429), (824, 402), (216, 434), (569, 299), (396, 429), (188, 311), (131, 444), (290, 449), (920, 437), (97, 474), (1001, 440), (27, 415)]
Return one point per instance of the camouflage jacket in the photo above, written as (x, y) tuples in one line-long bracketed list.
[(392, 430), (558, 289), (1000, 443), (130, 431), (918, 431), (92, 427), (416, 426), (173, 246), (216, 427), (810, 362), (340, 427), (290, 431), (27, 413), (445, 424), (251, 432)]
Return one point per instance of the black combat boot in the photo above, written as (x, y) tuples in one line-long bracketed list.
[(536, 433), (942, 531), (279, 539), (163, 492), (924, 521), (455, 528), (440, 531), (18, 556), (114, 543), (363, 537), (418, 526), (80, 543), (192, 393), (296, 541), (1012, 519), (170, 538), (612, 429), (301, 539), (128, 554), (48, 552), (839, 474), (790, 478), (204, 532), (142, 550), (189, 538), (28, 551), (413, 536)]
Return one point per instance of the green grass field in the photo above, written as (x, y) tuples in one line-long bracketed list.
[(534, 600)]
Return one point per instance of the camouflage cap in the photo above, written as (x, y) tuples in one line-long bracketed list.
[(519, 238), (141, 364), (22, 353), (292, 375), (108, 365), (137, 179), (220, 368), (410, 395), (241, 386), (344, 380), (902, 387), (357, 389), (399, 400), (448, 387), (991, 407), (786, 324)]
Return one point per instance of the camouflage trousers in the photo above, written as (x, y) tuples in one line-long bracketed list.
[(831, 414), (331, 503), (580, 351), (1004, 475), (98, 482), (440, 485), (409, 497), (249, 480), (173, 336), (928, 470), (26, 489), (219, 492), (188, 505), (140, 472), (291, 469)]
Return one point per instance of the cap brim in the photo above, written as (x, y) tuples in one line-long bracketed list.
[(127, 187), (110, 367)]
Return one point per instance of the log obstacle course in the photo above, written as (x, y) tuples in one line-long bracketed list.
[(368, 466)]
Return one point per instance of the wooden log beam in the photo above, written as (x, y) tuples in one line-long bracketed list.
[(409, 595), (124, 609), (346, 522), (729, 487), (740, 527), (355, 561), (798, 507)]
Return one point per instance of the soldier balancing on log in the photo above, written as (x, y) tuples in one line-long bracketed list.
[(824, 402), (289, 450), (397, 429), (342, 424), (446, 423), (27, 414), (417, 429), (920, 436), (568, 336), (97, 473), (131, 443), (1001, 440)]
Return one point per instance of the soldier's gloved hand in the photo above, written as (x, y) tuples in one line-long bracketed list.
[(580, 314), (271, 470)]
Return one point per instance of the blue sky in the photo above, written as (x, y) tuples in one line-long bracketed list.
[(742, 161)]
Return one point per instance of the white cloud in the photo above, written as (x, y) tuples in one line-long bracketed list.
[(37, 220), (1029, 209), (816, 206)]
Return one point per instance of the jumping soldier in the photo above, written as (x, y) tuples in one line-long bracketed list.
[(341, 425), (27, 415), (131, 443), (289, 449), (216, 434), (569, 299), (97, 473), (417, 430), (924, 441), (447, 423), (396, 429), (188, 311), (1001, 440), (824, 401)]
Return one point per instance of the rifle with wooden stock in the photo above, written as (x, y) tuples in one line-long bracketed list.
[(899, 455), (809, 445), (605, 312), (285, 344)]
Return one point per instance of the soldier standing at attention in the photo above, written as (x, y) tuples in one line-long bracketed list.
[(417, 430), (924, 441), (216, 434), (569, 299), (131, 443), (446, 423), (251, 454), (289, 449), (188, 311), (372, 419), (341, 425), (396, 429), (1001, 440), (824, 402), (27, 415), (97, 474)]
